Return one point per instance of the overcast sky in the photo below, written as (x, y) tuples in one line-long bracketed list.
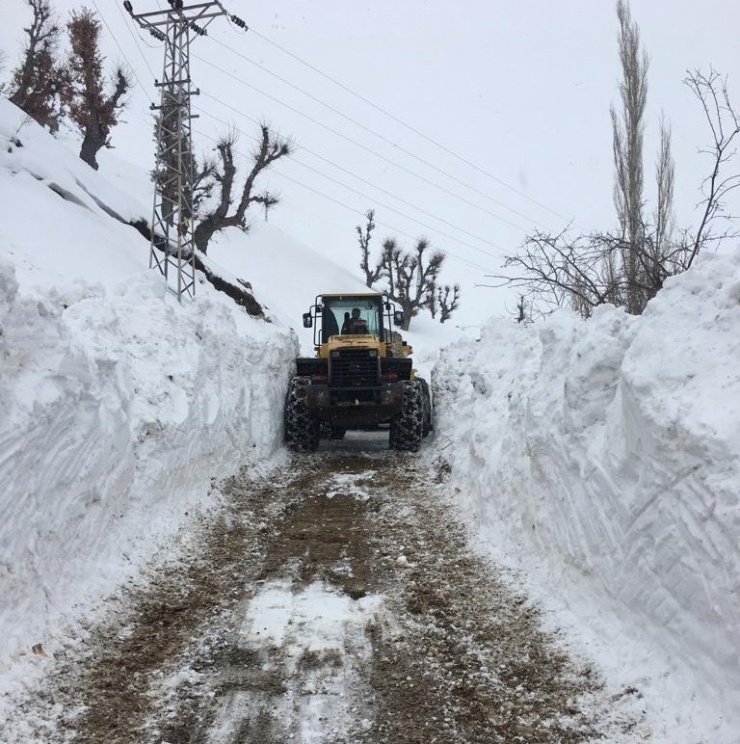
[(519, 91)]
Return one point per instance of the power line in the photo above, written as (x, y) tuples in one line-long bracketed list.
[(382, 223), (486, 241), (408, 126), (382, 137), (435, 230), (359, 212), (360, 145), (405, 216), (324, 159), (400, 199), (120, 49)]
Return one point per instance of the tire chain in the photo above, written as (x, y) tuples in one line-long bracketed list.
[(407, 427), (301, 428)]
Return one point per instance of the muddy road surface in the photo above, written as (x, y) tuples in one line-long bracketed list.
[(335, 601)]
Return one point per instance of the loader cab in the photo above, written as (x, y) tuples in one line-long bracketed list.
[(351, 315)]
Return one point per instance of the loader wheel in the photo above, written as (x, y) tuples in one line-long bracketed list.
[(301, 428), (427, 403), (407, 426)]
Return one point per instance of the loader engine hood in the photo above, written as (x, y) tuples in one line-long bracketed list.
[(364, 341)]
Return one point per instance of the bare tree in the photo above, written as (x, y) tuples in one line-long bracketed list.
[(663, 217), (35, 86), (448, 300), (93, 111), (410, 277), (629, 268), (590, 270), (224, 172), (554, 271), (724, 124), (371, 275)]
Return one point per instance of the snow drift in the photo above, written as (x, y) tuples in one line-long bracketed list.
[(118, 406), (608, 452)]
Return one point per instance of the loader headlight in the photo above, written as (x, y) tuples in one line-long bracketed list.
[(373, 353)]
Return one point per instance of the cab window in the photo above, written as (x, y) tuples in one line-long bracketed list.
[(348, 315)]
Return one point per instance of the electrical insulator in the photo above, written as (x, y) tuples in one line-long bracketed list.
[(238, 21), (128, 6)]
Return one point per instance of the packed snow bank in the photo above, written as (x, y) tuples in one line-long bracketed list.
[(607, 453), (117, 413), (118, 406)]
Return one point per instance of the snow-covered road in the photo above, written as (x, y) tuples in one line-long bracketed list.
[(335, 601)]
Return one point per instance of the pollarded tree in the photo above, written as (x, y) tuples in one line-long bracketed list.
[(36, 84), (447, 301), (410, 277), (363, 238), (94, 111), (224, 173)]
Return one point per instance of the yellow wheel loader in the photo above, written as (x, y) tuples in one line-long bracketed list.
[(361, 377)]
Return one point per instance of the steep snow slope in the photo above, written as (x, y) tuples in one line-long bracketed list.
[(117, 405), (287, 277), (604, 457), (285, 274)]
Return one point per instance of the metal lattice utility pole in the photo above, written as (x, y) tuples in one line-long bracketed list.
[(172, 250)]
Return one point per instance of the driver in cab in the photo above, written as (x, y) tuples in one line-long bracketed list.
[(354, 324)]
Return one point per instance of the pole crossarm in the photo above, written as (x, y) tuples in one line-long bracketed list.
[(172, 250)]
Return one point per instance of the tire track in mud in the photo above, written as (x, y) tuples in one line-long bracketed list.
[(334, 602)]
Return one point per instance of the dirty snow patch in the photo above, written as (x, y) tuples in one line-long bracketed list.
[(313, 620), (351, 484)]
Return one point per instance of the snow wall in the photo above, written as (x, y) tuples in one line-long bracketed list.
[(117, 409), (610, 451)]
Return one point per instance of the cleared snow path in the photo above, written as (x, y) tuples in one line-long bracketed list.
[(335, 601)]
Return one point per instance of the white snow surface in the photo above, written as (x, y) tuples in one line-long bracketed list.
[(600, 458), (603, 458), (117, 404)]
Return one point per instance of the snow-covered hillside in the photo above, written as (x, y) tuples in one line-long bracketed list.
[(604, 457)]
